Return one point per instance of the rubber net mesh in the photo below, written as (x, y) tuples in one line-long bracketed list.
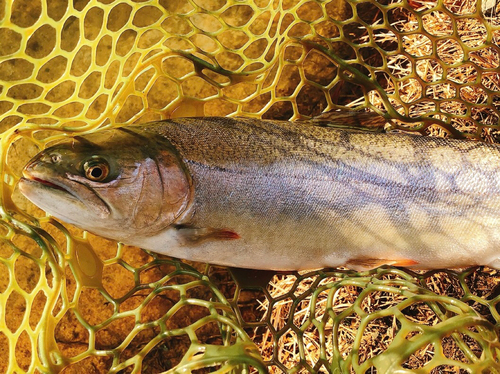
[(73, 302)]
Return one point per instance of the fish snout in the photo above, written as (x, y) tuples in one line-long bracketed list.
[(41, 163), (30, 168)]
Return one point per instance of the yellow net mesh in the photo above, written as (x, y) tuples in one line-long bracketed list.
[(74, 302)]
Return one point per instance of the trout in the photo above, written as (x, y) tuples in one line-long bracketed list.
[(277, 195)]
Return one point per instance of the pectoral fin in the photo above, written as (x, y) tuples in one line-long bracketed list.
[(361, 264), (194, 235)]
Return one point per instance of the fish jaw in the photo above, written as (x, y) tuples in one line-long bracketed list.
[(46, 190)]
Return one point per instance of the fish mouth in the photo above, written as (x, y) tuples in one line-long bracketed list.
[(33, 178), (44, 182), (85, 196), (48, 183)]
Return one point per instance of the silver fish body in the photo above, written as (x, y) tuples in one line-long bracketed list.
[(279, 195)]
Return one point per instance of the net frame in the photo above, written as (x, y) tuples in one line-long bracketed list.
[(273, 59)]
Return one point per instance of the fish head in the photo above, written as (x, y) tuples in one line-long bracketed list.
[(116, 183)]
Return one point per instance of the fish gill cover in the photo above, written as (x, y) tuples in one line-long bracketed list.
[(74, 302)]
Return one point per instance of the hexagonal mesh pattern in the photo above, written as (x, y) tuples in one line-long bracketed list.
[(74, 302), (384, 321)]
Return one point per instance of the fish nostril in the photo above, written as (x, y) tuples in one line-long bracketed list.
[(46, 158), (55, 158)]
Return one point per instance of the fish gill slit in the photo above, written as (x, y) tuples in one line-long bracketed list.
[(136, 206), (162, 186)]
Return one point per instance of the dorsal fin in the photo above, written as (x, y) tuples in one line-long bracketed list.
[(350, 119)]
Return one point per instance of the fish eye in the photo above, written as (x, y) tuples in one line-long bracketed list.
[(96, 170)]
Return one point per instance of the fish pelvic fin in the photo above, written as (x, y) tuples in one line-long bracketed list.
[(194, 235), (361, 264)]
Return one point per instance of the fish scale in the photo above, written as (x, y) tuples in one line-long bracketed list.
[(281, 195)]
